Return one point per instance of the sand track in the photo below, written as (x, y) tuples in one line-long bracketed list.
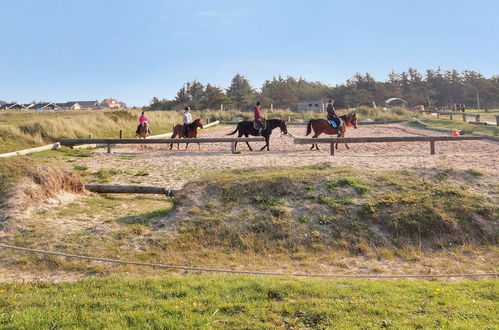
[(173, 168)]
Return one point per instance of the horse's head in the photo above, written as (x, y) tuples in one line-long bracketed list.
[(198, 123), (352, 118), (283, 127)]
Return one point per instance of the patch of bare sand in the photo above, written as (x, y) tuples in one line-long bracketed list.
[(172, 169)]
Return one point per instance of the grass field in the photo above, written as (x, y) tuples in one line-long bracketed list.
[(230, 302)]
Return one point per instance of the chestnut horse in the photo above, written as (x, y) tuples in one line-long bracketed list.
[(192, 132), (322, 126)]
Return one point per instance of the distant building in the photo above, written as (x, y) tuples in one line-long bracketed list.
[(14, 106), (310, 106), (45, 106), (112, 103), (76, 105)]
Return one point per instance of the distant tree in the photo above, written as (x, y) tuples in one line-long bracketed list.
[(240, 92), (282, 92), (195, 91), (213, 97)]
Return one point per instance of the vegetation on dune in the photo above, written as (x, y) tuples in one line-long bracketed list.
[(323, 209), (231, 302)]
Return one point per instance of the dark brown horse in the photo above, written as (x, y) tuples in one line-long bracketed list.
[(322, 126), (192, 132), (246, 128), (143, 132)]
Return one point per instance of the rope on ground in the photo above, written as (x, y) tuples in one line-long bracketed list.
[(233, 271)]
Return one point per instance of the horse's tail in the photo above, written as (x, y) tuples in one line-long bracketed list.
[(237, 128), (309, 127)]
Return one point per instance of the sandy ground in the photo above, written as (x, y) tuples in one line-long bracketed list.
[(172, 169)]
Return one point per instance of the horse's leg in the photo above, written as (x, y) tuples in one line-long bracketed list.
[(186, 145), (343, 135), (266, 144), (199, 146), (315, 144), (173, 136), (247, 143)]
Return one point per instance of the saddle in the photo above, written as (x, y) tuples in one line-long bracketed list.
[(334, 124), (257, 124)]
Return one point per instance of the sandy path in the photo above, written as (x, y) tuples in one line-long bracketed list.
[(173, 168)]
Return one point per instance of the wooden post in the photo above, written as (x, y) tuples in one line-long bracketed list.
[(477, 118), (438, 115), (109, 148), (289, 119), (332, 149), (89, 136), (121, 134), (497, 120), (450, 116), (233, 147), (432, 147), (464, 117)]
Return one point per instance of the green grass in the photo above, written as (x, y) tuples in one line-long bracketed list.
[(241, 302)]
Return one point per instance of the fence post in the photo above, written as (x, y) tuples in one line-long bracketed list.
[(89, 136), (438, 115), (464, 117), (432, 147), (332, 149), (233, 146), (497, 120), (450, 116), (121, 134), (477, 118), (109, 148)]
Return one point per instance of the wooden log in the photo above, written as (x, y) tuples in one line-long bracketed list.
[(129, 189), (52, 146), (72, 142), (376, 139)]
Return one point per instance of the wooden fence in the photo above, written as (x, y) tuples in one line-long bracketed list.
[(385, 139), (110, 142)]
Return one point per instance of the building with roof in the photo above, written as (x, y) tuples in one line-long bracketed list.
[(112, 103)]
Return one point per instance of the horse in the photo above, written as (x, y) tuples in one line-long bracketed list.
[(322, 126), (246, 128), (192, 132), (143, 132)]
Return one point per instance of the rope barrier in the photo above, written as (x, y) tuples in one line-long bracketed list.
[(233, 271)]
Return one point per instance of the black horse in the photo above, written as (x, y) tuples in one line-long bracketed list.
[(246, 128)]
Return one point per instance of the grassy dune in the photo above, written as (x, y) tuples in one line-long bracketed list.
[(230, 302), (25, 129), (285, 219)]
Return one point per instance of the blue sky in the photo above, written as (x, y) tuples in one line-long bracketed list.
[(60, 50)]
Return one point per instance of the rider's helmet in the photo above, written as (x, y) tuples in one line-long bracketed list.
[(187, 108)]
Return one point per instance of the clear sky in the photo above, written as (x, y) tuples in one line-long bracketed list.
[(132, 50)]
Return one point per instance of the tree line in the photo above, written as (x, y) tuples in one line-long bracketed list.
[(434, 88)]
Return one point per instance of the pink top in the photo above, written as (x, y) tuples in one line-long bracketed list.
[(258, 113), (142, 119)]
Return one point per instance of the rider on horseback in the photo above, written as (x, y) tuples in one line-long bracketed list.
[(187, 119), (259, 119), (143, 121), (331, 113)]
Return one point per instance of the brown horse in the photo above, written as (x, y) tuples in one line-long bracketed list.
[(322, 126), (143, 132), (192, 132)]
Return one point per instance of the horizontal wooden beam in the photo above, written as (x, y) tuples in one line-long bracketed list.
[(129, 189), (384, 139), (73, 142)]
